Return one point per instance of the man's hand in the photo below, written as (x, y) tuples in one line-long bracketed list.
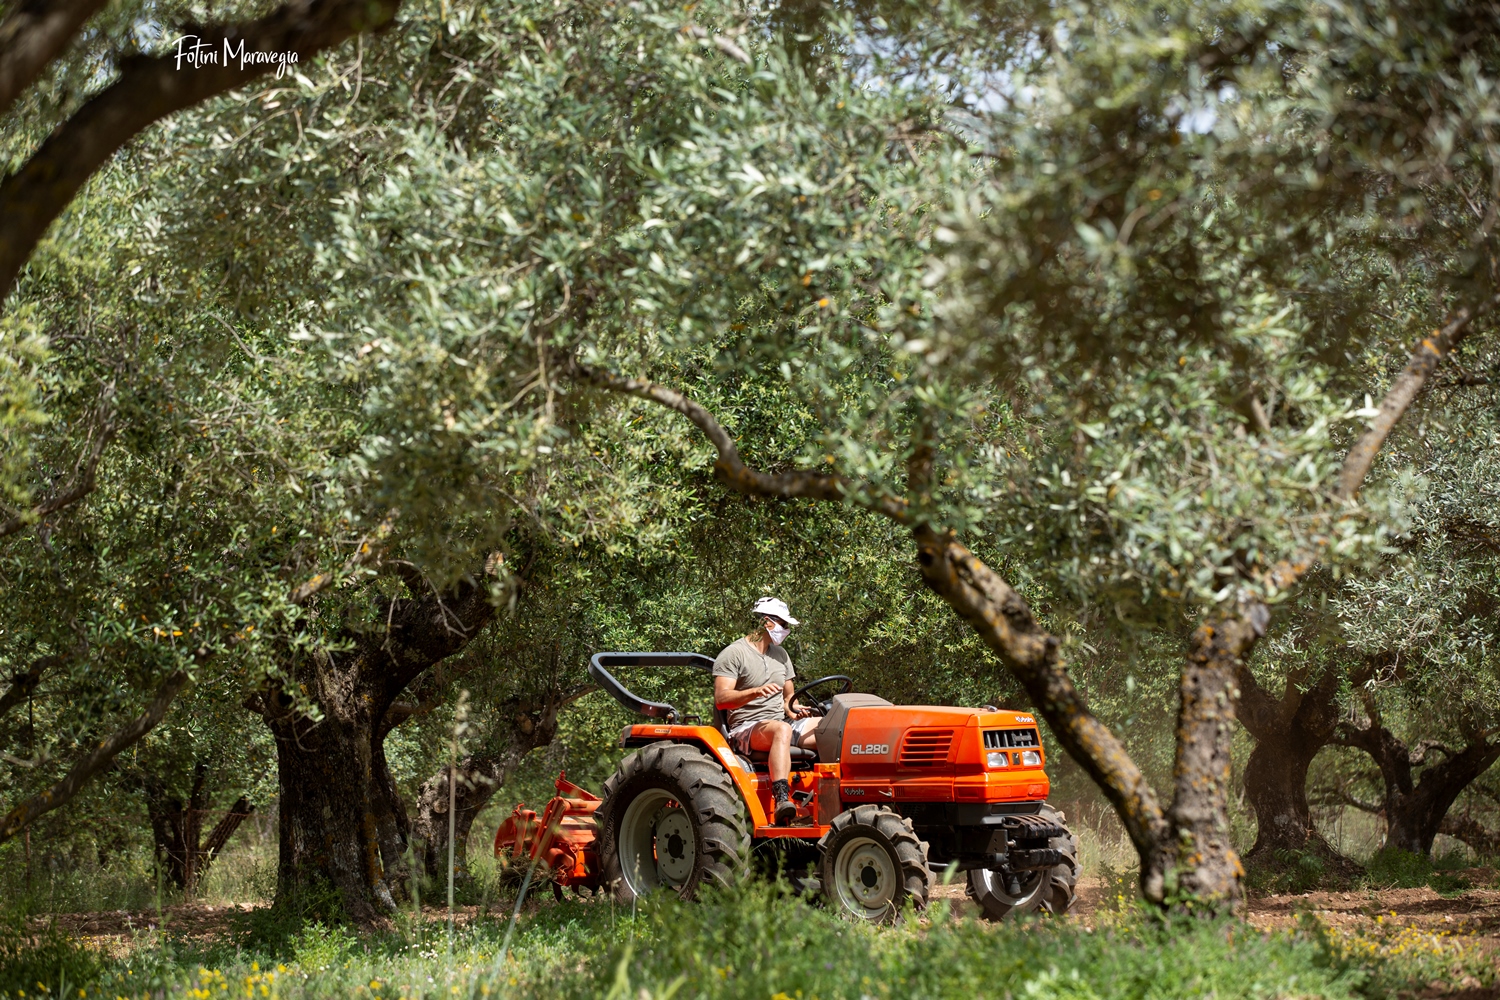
[(765, 690), (798, 711)]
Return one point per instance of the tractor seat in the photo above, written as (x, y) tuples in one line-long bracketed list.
[(802, 760)]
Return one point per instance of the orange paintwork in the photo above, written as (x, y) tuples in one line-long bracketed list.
[(897, 753), (562, 839)]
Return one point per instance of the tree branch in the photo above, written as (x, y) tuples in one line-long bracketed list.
[(1424, 360), (150, 88), (79, 486), (729, 468), (1005, 622), (224, 829), (1339, 797), (1485, 842), (35, 33), (368, 550), (25, 683), (1260, 713), (59, 794)]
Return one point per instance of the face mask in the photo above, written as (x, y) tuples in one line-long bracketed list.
[(777, 633)]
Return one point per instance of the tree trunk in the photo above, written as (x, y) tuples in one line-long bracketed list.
[(1276, 787), (1415, 818), (177, 828), (530, 725), (1289, 733), (329, 802), (341, 821), (1415, 808), (1196, 859)]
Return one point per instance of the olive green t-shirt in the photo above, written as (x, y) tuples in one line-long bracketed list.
[(752, 669)]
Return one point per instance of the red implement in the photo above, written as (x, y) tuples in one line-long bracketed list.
[(562, 838)]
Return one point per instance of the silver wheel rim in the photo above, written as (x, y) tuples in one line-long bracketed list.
[(992, 883), (866, 879), (656, 843)]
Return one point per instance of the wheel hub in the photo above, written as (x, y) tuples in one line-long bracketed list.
[(866, 877), (674, 846), (657, 845)]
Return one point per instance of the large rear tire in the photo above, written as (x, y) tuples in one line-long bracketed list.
[(872, 864), (1001, 895), (671, 818)]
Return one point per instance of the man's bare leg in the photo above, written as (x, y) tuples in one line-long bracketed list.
[(776, 739), (809, 741)]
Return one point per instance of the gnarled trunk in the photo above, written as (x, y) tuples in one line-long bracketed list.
[(1289, 732), (1276, 788), (1415, 817), (1414, 808), (177, 828), (330, 799), (341, 821)]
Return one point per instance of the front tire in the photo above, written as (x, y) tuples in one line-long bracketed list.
[(1001, 894), (671, 818), (872, 864)]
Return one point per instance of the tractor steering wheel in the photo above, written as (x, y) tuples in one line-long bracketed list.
[(822, 707)]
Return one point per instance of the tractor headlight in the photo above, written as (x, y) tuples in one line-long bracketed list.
[(1030, 758), (998, 759)]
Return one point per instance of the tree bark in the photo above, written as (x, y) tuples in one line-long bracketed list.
[(1289, 732), (1415, 807), (341, 823), (1196, 859)]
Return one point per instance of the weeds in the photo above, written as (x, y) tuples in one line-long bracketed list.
[(1393, 868), (41, 958), (754, 940)]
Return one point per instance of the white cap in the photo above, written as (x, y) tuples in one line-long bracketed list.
[(772, 606)]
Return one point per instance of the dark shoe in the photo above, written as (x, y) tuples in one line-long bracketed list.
[(785, 812)]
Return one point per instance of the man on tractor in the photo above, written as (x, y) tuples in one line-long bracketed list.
[(753, 685)]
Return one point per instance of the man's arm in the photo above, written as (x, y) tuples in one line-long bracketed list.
[(726, 697)]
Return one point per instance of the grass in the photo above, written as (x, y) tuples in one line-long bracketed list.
[(750, 941), (1393, 868)]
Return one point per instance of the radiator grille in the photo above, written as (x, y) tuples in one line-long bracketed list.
[(1006, 739), (926, 747)]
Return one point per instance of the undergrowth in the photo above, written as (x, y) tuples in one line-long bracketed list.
[(750, 941), (1393, 868)]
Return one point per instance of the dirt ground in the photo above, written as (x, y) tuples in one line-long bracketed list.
[(1470, 918)]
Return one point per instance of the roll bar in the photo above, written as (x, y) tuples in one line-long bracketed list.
[(599, 663)]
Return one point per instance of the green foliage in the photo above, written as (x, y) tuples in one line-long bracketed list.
[(36, 957), (752, 941), (1293, 872), (1393, 868)]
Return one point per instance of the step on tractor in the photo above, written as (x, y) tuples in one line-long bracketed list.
[(892, 797)]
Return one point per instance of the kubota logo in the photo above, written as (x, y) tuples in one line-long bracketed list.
[(870, 748)]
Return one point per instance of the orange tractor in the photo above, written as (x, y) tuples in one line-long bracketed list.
[(892, 794)]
